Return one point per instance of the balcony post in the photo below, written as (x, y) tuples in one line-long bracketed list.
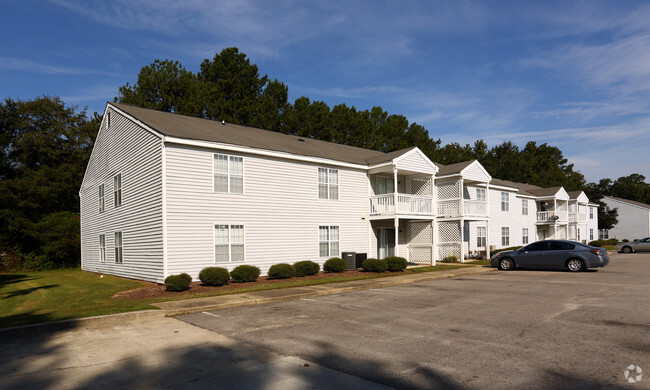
[(396, 205), (396, 236)]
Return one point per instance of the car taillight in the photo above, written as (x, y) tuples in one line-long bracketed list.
[(595, 251)]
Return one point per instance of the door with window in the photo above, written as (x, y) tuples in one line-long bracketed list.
[(385, 242)]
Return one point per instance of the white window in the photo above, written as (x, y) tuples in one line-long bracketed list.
[(102, 248), (481, 233), (228, 174), (603, 234), (480, 194), (505, 201), (524, 236), (591, 234), (524, 207), (118, 247), (101, 198), (384, 185), (117, 190), (328, 241), (591, 213), (328, 183), (228, 243), (505, 236)]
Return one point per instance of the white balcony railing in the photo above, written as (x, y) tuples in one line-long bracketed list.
[(406, 204), (474, 208), (551, 216)]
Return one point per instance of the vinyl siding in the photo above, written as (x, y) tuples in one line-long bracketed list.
[(633, 221), (475, 173), (280, 210), (135, 153), (415, 162), (499, 219)]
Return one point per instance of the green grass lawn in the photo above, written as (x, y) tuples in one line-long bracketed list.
[(44, 296)]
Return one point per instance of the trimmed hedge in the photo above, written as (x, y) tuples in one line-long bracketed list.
[(187, 277), (307, 267), (335, 264), (214, 276), (176, 283), (396, 263), (281, 271), (600, 243), (374, 265), (450, 259), (245, 273)]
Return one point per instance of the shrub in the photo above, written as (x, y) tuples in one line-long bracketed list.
[(307, 267), (450, 259), (597, 243), (396, 263), (214, 276), (626, 240), (186, 277), (281, 271), (374, 265), (245, 273), (335, 264), (176, 283)]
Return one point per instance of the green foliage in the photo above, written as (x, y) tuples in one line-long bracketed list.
[(44, 147), (375, 265), (214, 276), (626, 240), (186, 277), (307, 267), (602, 243), (281, 271), (450, 259), (176, 283), (245, 273), (396, 263), (335, 264)]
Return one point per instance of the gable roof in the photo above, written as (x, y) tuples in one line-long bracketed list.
[(453, 169), (193, 128), (386, 157), (632, 202), (524, 189)]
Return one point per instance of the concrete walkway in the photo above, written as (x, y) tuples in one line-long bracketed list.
[(186, 306)]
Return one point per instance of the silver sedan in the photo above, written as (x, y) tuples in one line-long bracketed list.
[(558, 254), (634, 246)]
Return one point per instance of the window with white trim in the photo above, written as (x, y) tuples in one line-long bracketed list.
[(117, 190), (328, 241), (524, 207), (118, 248), (524, 236), (383, 185), (481, 236), (228, 243), (603, 234), (101, 198), (480, 194), (228, 174), (505, 236), (102, 248), (591, 234), (591, 213), (328, 183), (505, 201)]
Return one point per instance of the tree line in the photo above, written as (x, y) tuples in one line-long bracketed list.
[(45, 146)]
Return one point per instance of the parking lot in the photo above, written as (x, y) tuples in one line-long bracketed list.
[(506, 330)]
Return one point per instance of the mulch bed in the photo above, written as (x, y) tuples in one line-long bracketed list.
[(154, 290)]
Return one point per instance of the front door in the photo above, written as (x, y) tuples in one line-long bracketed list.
[(385, 242)]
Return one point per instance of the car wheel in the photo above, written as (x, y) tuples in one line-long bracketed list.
[(627, 249), (506, 264), (575, 265)]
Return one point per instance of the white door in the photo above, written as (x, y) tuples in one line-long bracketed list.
[(385, 242)]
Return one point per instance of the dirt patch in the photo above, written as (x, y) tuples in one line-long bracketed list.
[(153, 290)]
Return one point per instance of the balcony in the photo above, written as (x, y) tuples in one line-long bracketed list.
[(406, 204), (576, 217), (551, 217), (471, 208)]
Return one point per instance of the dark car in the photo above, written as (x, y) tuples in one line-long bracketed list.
[(552, 254)]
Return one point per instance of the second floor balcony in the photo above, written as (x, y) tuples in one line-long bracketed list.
[(550, 217), (406, 204), (470, 208)]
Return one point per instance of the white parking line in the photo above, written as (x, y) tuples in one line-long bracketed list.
[(392, 291), (335, 303), (210, 314)]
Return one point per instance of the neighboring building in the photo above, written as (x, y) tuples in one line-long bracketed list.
[(165, 194), (633, 219)]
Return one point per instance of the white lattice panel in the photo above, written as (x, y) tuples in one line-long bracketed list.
[(420, 233), (420, 255), (448, 189), (449, 232), (448, 250), (449, 208), (421, 187)]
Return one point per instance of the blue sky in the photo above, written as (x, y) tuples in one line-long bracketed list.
[(573, 74)]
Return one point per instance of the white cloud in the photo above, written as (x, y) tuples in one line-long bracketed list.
[(13, 64)]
